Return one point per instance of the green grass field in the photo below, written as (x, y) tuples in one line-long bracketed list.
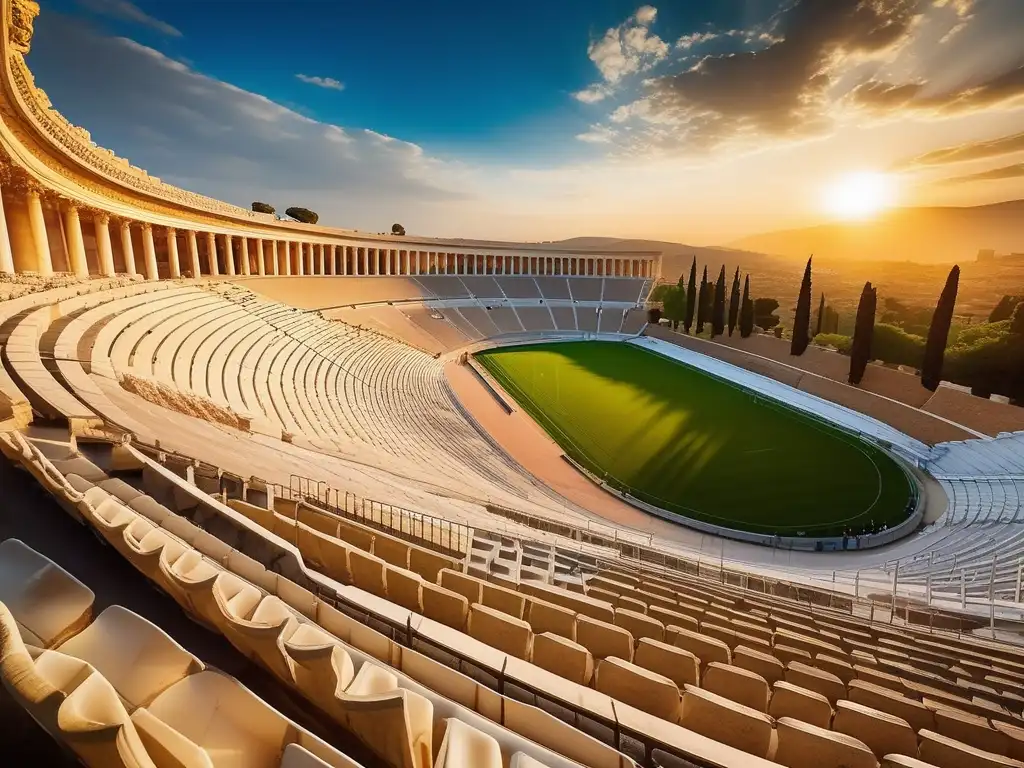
[(699, 446)]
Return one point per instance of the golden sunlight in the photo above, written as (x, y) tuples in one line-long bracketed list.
[(860, 195)]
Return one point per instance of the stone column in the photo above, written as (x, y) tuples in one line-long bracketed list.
[(149, 252), (332, 255), (76, 246), (193, 253), (320, 269), (364, 259), (243, 255), (274, 264), (127, 248), (229, 255), (101, 222), (44, 264), (287, 258), (343, 258), (257, 246), (6, 254), (211, 254), (300, 259), (172, 252)]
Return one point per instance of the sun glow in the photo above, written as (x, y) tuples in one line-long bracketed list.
[(860, 195)]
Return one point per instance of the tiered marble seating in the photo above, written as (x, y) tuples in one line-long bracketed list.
[(288, 371)]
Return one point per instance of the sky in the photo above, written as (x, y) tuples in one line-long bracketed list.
[(696, 121)]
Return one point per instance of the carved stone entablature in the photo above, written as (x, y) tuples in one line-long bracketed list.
[(23, 16), (78, 142)]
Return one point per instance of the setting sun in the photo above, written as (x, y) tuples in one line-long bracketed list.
[(860, 195)]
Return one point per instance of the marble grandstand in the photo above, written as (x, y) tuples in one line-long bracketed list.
[(262, 420)]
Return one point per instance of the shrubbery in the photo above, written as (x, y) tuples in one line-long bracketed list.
[(837, 340), (894, 345)]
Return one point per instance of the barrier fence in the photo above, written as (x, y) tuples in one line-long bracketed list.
[(437, 533)]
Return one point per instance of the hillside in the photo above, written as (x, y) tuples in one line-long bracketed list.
[(923, 235)]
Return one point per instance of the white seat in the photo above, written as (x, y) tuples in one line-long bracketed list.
[(135, 656), (262, 636), (189, 572), (47, 602), (464, 746), (216, 714), (95, 725), (323, 668), (377, 710), (148, 546)]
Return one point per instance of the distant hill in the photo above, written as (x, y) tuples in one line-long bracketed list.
[(923, 235)]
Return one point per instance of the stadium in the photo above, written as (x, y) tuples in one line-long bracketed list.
[(277, 494)]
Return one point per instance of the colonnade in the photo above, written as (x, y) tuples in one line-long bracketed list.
[(47, 236)]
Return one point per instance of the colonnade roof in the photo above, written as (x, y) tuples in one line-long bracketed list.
[(40, 149)]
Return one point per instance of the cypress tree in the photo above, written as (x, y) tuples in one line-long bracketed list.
[(702, 302), (938, 333), (718, 308), (802, 323), (821, 315), (746, 310), (734, 301), (863, 333), (691, 296)]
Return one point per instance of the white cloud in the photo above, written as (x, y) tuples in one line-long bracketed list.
[(232, 144), (598, 134), (686, 42), (322, 82), (125, 11), (628, 48), (593, 94), (646, 14)]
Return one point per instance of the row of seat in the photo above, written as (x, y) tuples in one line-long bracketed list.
[(258, 614), (118, 691), (546, 287), (665, 679), (478, 323)]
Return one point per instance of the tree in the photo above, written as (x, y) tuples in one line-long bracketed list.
[(660, 292), (702, 302), (763, 313), (691, 296), (831, 324), (304, 215), (863, 332), (821, 316), (734, 301), (746, 310), (398, 229), (802, 321), (1004, 309), (263, 208), (674, 304), (1017, 319), (938, 333), (718, 306)]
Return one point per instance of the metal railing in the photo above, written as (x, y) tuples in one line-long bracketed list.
[(436, 533)]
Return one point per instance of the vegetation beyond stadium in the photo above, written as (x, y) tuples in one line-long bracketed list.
[(689, 443)]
